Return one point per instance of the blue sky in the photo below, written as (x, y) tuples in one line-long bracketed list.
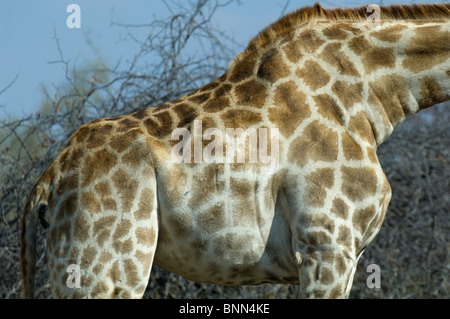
[(27, 37)]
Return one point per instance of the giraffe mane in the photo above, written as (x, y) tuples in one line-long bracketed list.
[(316, 12)]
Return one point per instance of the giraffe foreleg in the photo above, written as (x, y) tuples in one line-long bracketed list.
[(325, 274)]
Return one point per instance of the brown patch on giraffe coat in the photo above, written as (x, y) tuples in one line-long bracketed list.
[(200, 98), (98, 135), (326, 276), (104, 192), (231, 244), (272, 67), (114, 273), (212, 85), (352, 150), (208, 87), (360, 125), (126, 124), (99, 289), (241, 187), (161, 107), (373, 57), (68, 207), (333, 55), (340, 264), (423, 51), (244, 69), (120, 142), (362, 217), (145, 206), (80, 228), (336, 292), (216, 104), (344, 236), (318, 220), (146, 236), (131, 271), (251, 93), (160, 125), (63, 158), (70, 159), (105, 257), (212, 220), (219, 99), (316, 143), (390, 94), (316, 185), (293, 50), (318, 238), (103, 229), (319, 293), (80, 135), (97, 165), (290, 108), (90, 203), (329, 109), (390, 34), (140, 115), (185, 113), (122, 229), (328, 257), (126, 188), (340, 208), (313, 75), (136, 156), (97, 269), (123, 247), (236, 118), (340, 31), (309, 40), (348, 94), (223, 90), (358, 183), (67, 184), (335, 32), (179, 223), (88, 256), (205, 182), (146, 261), (431, 93), (242, 193)]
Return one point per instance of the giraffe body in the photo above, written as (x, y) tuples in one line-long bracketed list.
[(115, 201)]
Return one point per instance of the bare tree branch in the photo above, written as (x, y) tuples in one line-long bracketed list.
[(10, 84)]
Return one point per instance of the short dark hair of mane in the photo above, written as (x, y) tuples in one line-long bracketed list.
[(316, 12)]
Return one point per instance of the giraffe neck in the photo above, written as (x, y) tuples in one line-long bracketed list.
[(406, 68), (367, 79)]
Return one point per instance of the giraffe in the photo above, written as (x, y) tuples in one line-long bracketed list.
[(115, 201)]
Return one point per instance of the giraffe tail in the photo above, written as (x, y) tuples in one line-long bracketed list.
[(35, 209)]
